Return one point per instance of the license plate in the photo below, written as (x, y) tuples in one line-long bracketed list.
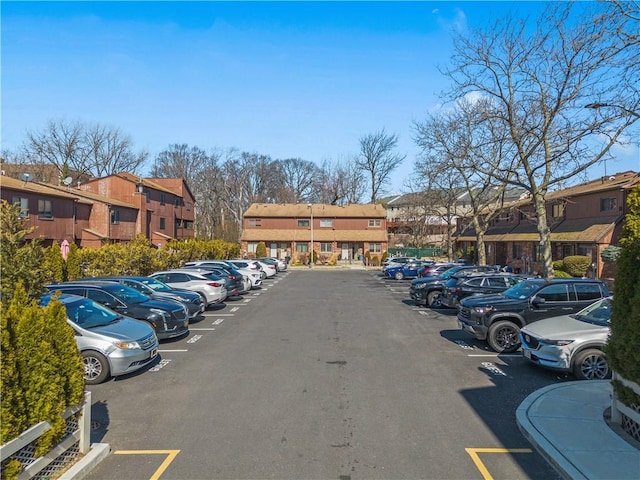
[(526, 353)]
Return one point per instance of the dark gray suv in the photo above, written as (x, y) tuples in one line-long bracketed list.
[(499, 318)]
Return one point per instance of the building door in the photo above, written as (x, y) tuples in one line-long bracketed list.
[(346, 252), (273, 250), (501, 253)]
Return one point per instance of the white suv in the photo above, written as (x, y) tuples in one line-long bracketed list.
[(210, 287)]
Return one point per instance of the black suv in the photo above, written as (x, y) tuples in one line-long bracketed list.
[(498, 318), (157, 291), (459, 287), (427, 290), (168, 318)]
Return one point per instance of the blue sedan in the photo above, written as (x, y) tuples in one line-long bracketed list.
[(408, 270)]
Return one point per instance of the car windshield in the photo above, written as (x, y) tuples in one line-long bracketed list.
[(156, 285), (521, 290), (450, 272), (89, 314), (127, 294), (598, 313)]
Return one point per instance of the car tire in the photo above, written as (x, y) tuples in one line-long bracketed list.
[(503, 336), (204, 299), (433, 299), (96, 367), (591, 364), (399, 276)]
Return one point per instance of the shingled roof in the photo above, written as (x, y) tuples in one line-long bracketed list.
[(301, 210)]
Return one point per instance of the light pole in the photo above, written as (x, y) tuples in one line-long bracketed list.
[(310, 207)]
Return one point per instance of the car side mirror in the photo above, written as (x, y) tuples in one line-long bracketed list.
[(538, 301)]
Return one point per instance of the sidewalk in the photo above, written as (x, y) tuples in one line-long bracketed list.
[(565, 422)]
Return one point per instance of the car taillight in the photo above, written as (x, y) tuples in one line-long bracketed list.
[(214, 284)]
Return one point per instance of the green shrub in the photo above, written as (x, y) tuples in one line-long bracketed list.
[(577, 265), (623, 348), (560, 274), (558, 265), (261, 250)]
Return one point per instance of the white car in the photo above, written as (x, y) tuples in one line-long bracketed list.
[(251, 278), (268, 269), (252, 265), (210, 287)]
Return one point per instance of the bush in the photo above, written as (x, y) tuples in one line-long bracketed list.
[(558, 265), (623, 348), (577, 265), (560, 274), (261, 250)]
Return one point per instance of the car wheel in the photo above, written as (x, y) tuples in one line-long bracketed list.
[(399, 276), (504, 336), (204, 299), (591, 364), (96, 367), (433, 299)]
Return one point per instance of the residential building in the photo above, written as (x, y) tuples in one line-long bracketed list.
[(116, 208), (583, 220), (339, 233)]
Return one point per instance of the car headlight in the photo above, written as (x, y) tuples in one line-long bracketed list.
[(419, 286), (557, 343), (482, 310), (160, 312), (127, 345)]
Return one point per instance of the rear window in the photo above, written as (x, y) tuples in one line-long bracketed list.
[(588, 291)]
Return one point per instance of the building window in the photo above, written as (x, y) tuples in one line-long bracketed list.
[(375, 222), (188, 206), (326, 248), (188, 224), (537, 255), (24, 205), (251, 247), (163, 199), (254, 222), (303, 223), (557, 210), (45, 210), (326, 223), (516, 250), (302, 247), (375, 247), (607, 204), (115, 217), (176, 202), (162, 223), (147, 194), (586, 250)]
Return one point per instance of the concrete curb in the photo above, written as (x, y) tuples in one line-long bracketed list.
[(98, 452), (545, 448)]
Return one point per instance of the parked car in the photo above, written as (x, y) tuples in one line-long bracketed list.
[(210, 287), (427, 290), (249, 264), (435, 269), (269, 270), (168, 318), (571, 343), (482, 283), (405, 270), (280, 265), (157, 291), (396, 260), (110, 344), (232, 278), (499, 318), (253, 277)]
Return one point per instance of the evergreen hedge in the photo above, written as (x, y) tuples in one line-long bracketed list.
[(623, 348), (261, 250)]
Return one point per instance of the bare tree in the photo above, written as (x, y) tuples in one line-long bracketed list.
[(378, 160), (297, 177), (461, 143), (93, 150), (340, 182), (538, 81)]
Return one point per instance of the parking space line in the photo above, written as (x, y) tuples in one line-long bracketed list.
[(171, 455), (222, 314), (494, 355), (201, 329), (473, 453), (172, 351)]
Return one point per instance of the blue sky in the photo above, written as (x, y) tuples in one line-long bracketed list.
[(286, 79)]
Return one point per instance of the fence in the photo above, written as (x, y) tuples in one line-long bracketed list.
[(417, 252), (76, 442)]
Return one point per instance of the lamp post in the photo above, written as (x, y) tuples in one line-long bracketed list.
[(310, 207)]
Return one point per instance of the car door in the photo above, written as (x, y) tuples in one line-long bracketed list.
[(551, 301), (495, 284)]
